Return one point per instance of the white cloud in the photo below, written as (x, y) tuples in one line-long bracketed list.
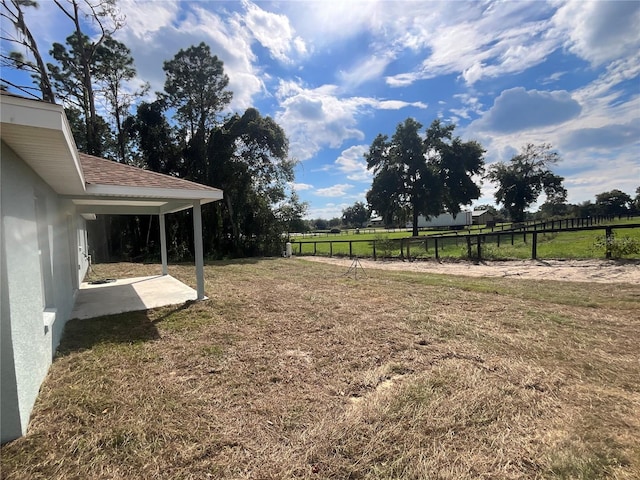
[(596, 175), (395, 104), (273, 31), (325, 23), (369, 69), (470, 105), (554, 77), (338, 190), (477, 40), (145, 18), (352, 163), (518, 109), (600, 31), (604, 138), (159, 40), (315, 118), (328, 211), (300, 187)]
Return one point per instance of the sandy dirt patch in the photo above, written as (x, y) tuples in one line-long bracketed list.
[(603, 271)]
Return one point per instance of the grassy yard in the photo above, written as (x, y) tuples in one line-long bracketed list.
[(293, 370)]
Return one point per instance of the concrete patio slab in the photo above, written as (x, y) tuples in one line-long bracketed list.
[(129, 295)]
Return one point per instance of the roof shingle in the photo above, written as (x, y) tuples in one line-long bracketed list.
[(99, 171)]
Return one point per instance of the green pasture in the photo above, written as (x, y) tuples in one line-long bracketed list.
[(573, 245)]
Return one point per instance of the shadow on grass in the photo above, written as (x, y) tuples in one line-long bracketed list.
[(172, 310), (128, 328)]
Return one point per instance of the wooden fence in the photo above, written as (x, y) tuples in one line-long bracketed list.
[(530, 224), (473, 242)]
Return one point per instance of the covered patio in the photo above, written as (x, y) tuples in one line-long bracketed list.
[(117, 189)]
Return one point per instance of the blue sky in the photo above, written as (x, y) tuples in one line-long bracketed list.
[(335, 74)]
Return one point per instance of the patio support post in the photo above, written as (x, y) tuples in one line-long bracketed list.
[(163, 245), (198, 250)]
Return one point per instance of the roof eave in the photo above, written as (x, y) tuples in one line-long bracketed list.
[(30, 126), (204, 195)]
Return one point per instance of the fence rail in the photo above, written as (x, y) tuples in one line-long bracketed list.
[(473, 241), (529, 224)]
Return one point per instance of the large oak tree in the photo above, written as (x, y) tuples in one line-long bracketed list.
[(423, 174)]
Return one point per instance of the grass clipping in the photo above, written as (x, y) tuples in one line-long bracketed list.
[(293, 370)]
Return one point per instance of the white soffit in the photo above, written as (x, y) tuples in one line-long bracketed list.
[(40, 134), (205, 196)]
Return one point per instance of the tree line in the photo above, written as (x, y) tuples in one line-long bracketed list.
[(614, 203), (434, 172), (184, 132)]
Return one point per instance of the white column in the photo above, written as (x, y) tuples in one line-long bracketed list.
[(163, 245), (198, 250)]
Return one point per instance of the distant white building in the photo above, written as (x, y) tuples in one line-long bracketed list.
[(444, 220), (375, 222)]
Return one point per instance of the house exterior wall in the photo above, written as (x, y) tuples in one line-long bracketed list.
[(43, 243)]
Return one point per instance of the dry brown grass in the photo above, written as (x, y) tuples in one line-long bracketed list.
[(293, 370)]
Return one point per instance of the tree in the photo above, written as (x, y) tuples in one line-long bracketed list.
[(583, 210), (113, 70), (154, 138), (248, 159), (73, 77), (455, 162), (196, 86), (13, 10), (290, 214), (355, 215), (422, 176), (636, 201), (245, 155), (614, 202), (550, 210), (522, 180), (196, 89)]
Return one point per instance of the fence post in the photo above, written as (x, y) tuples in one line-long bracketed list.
[(350, 249), (402, 248), (374, 251), (315, 248), (608, 240), (409, 249), (479, 249), (331, 249), (435, 240), (469, 246), (534, 246), (498, 240)]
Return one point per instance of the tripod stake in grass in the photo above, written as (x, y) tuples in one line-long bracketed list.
[(355, 264)]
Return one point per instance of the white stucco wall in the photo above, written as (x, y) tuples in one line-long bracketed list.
[(31, 325)]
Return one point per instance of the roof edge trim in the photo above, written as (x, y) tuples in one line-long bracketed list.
[(150, 192)]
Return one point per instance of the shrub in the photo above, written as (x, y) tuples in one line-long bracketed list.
[(384, 246), (619, 247)]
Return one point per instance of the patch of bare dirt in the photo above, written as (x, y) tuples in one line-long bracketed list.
[(603, 271)]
